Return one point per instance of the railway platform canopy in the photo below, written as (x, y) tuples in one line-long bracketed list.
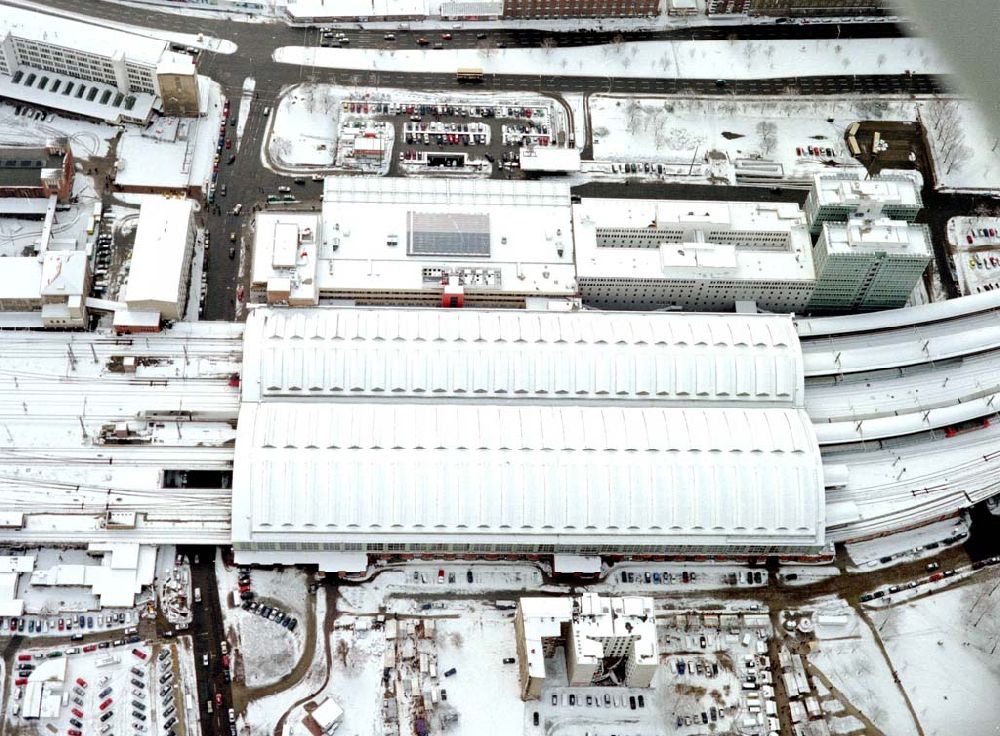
[(477, 432)]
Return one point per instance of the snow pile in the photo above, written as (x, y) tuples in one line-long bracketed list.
[(648, 59)]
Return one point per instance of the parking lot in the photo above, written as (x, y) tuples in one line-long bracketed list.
[(120, 687)]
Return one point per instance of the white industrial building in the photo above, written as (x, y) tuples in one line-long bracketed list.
[(704, 256), (705, 449), (48, 290), (445, 242), (869, 264), (85, 69), (161, 262), (836, 197), (286, 258), (598, 635)]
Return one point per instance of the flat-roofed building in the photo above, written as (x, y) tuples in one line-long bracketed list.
[(445, 242), (37, 172), (841, 196), (705, 256), (869, 264), (161, 257), (285, 258), (83, 68)]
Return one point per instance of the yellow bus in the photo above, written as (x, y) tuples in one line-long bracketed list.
[(469, 75)]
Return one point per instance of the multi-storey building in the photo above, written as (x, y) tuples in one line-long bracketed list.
[(580, 8), (599, 636), (797, 7), (707, 256), (869, 264), (442, 242), (838, 197), (82, 68), (37, 172)]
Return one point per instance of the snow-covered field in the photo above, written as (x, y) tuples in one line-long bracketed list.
[(944, 648), (851, 661), (684, 131), (304, 127), (966, 148), (670, 59)]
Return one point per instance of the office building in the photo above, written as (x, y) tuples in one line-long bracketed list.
[(703, 256), (445, 242), (838, 197), (85, 69), (606, 641), (580, 8), (37, 172), (799, 8), (869, 264), (161, 261)]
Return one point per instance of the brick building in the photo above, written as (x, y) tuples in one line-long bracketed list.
[(37, 171)]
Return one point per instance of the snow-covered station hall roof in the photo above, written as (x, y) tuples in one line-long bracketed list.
[(513, 354), (450, 426)]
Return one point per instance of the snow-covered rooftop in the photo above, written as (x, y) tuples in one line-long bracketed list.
[(64, 274), (285, 255), (52, 96), (652, 239), (158, 256), (550, 158), (576, 475), (878, 236), (396, 234), (851, 189), (515, 444), (20, 278), (473, 355)]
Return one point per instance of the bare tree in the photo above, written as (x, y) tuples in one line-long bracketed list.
[(768, 133), (633, 111), (549, 43)]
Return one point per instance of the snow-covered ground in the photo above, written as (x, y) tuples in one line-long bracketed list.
[(944, 648), (850, 659), (671, 59), (267, 650), (685, 132), (304, 127), (966, 148), (86, 139)]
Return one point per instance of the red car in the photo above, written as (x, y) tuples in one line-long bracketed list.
[(77, 712), (61, 625), (90, 648), (440, 576), (445, 36), (13, 624), (80, 681), (105, 704), (936, 576), (229, 142), (21, 681), (218, 698), (139, 653), (73, 732), (23, 657), (225, 660)]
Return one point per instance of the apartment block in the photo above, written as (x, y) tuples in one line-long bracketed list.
[(704, 256), (605, 640), (839, 197), (869, 264)]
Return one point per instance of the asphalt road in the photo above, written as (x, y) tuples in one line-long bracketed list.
[(207, 632)]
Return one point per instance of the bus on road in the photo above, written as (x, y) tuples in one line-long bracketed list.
[(469, 75)]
